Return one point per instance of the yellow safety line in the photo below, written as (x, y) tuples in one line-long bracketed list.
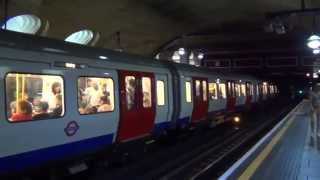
[(251, 169)]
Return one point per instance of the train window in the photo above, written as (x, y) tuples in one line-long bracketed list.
[(130, 91), (188, 91), (237, 90), (213, 92), (95, 95), (204, 90), (198, 88), (34, 97), (272, 89), (264, 89), (243, 90), (146, 92), (251, 89), (222, 91), (229, 89), (160, 93)]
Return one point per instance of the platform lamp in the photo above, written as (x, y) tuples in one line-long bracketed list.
[(313, 41)]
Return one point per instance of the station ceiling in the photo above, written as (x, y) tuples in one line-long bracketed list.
[(146, 25)]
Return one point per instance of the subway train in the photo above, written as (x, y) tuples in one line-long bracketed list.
[(60, 100)]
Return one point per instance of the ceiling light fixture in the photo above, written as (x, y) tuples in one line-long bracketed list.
[(313, 42), (316, 51), (200, 56), (103, 57), (181, 51)]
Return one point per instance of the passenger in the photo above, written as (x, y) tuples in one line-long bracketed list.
[(51, 98), (105, 104), (146, 99), (93, 94), (42, 111), (36, 103), (13, 107), (91, 110), (24, 112), (58, 110), (130, 93), (105, 90)]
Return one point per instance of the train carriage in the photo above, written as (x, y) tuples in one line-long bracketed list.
[(60, 100)]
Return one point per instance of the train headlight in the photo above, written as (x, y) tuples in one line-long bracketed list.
[(236, 119)]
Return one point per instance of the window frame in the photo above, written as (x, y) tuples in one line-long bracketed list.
[(40, 74), (164, 92), (114, 99)]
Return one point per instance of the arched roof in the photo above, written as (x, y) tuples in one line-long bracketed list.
[(143, 26)]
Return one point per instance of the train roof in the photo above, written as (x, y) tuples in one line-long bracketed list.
[(16, 40)]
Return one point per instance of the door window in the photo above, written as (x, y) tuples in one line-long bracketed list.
[(188, 91), (146, 92), (222, 91), (243, 90), (237, 90), (198, 88), (204, 91), (160, 93), (130, 91)]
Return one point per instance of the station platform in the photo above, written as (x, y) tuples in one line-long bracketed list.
[(290, 151)]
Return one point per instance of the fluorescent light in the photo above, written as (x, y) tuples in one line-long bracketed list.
[(103, 57), (316, 51), (200, 56), (176, 57), (191, 55), (157, 56), (181, 51), (314, 42), (70, 65)]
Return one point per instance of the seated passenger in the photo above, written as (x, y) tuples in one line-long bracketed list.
[(13, 107), (90, 110), (24, 111), (36, 103), (41, 112), (57, 111), (105, 104)]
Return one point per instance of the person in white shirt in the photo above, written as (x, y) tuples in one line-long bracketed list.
[(92, 94)]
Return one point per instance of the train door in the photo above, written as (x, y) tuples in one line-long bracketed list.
[(231, 96), (162, 107), (200, 96), (137, 108)]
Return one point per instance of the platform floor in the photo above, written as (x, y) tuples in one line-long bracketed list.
[(291, 154)]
